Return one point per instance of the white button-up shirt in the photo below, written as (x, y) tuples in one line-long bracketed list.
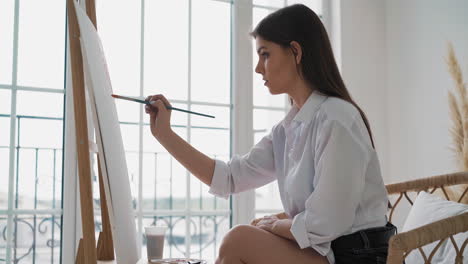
[(328, 173)]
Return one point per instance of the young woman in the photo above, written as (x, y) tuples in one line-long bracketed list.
[(322, 155)]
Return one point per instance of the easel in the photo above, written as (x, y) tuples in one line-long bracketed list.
[(87, 252)]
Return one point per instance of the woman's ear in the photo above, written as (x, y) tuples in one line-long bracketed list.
[(297, 51)]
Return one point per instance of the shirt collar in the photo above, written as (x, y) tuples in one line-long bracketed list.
[(307, 110)]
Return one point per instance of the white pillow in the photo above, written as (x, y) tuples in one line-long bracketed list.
[(429, 208)]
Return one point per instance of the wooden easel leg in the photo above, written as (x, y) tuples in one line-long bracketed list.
[(105, 246), (80, 254), (88, 243), (87, 252)]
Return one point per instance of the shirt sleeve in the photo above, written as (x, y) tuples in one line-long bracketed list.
[(341, 162), (242, 173)]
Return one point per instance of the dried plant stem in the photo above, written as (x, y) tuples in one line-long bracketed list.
[(458, 111), (458, 104), (457, 130)]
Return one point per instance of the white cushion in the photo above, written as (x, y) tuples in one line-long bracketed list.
[(427, 209)]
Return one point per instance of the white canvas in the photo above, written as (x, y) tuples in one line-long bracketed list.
[(113, 163)]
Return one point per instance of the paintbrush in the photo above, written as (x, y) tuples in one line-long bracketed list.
[(167, 107)]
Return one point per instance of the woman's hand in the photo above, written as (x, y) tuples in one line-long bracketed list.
[(282, 215), (160, 117), (278, 224), (266, 223), (193, 160), (282, 228), (257, 220)]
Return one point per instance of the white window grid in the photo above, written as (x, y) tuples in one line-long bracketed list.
[(141, 213), (11, 213), (14, 88), (324, 15)]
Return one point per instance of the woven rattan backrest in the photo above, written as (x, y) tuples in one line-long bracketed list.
[(410, 240)]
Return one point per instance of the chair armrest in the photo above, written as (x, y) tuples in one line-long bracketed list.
[(428, 183), (401, 244)]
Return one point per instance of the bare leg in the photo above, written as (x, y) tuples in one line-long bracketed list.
[(245, 244)]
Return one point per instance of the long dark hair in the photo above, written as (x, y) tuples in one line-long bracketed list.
[(299, 23)]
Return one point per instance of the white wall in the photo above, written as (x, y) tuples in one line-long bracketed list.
[(363, 64), (393, 62), (417, 33)]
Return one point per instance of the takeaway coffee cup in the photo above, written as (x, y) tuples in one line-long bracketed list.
[(155, 241)]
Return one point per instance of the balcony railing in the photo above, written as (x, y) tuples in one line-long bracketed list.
[(37, 218)]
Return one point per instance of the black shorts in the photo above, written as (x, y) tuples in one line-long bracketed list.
[(364, 246)]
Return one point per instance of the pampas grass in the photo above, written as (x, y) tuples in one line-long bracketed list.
[(458, 111), (456, 130), (458, 106)]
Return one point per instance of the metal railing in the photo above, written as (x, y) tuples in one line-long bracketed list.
[(37, 228)]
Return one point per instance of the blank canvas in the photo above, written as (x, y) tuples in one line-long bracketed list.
[(113, 163)]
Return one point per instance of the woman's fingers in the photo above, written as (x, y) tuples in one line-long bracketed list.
[(265, 219), (153, 99), (265, 226), (160, 116), (282, 215), (148, 108), (255, 221), (159, 105), (166, 102), (159, 97)]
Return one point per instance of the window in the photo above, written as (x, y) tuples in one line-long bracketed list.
[(180, 48), (268, 109), (31, 130), (191, 66)]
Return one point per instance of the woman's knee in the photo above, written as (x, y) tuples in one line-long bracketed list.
[(234, 239)]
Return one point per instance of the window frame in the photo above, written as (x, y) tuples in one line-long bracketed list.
[(242, 133), (71, 215), (11, 212), (241, 137), (250, 211)]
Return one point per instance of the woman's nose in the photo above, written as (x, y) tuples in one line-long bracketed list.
[(258, 69)]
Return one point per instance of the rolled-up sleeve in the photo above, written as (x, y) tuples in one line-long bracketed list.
[(341, 162), (246, 172)]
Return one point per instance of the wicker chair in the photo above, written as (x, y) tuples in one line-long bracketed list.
[(403, 243)]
